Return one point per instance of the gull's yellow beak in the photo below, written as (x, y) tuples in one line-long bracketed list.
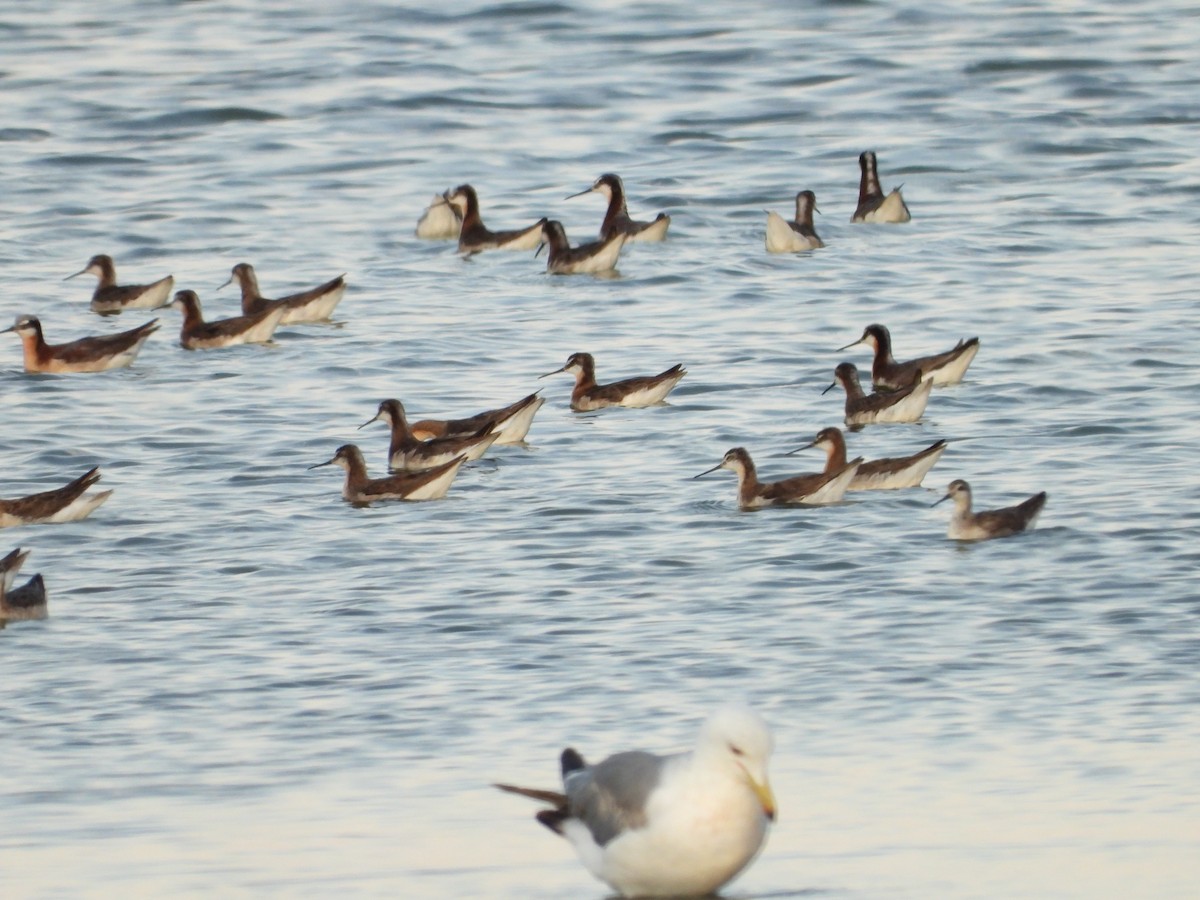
[(763, 792)]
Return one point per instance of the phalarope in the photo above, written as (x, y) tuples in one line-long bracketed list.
[(792, 237), (616, 219), (28, 601), (994, 523), (940, 368), (408, 454), (313, 305), (873, 206), (510, 423), (360, 489), (904, 405), (441, 221), (678, 825), (10, 566), (110, 298), (89, 354), (878, 474), (819, 488), (636, 392), (68, 503), (23, 603), (196, 334), (474, 236), (586, 259)]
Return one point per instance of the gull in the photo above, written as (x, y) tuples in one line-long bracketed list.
[(668, 826)]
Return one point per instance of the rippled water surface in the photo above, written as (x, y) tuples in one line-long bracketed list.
[(248, 687)]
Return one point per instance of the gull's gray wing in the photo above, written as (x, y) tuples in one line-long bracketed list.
[(610, 797)]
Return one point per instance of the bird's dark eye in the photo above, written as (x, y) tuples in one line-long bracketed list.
[(735, 750)]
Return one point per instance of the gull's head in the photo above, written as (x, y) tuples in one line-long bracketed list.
[(737, 740)]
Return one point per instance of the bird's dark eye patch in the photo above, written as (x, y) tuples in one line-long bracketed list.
[(735, 750)]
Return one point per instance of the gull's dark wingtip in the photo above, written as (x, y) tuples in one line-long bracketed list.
[(571, 762)]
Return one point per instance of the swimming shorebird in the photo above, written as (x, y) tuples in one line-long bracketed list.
[(636, 392), (196, 334), (441, 220), (873, 205), (28, 601), (360, 489), (313, 305), (474, 236), (940, 368), (994, 523), (616, 219), (409, 454), (681, 825), (878, 474), (510, 423), (89, 354), (586, 259), (10, 565), (792, 237), (68, 503), (23, 603), (110, 298), (820, 488), (904, 405)]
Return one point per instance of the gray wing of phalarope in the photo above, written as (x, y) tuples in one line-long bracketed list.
[(429, 428), (99, 346), (117, 297), (897, 472), (943, 368), (44, 505), (639, 390), (1012, 519)]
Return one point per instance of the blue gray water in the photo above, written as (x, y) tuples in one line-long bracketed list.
[(247, 687)]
